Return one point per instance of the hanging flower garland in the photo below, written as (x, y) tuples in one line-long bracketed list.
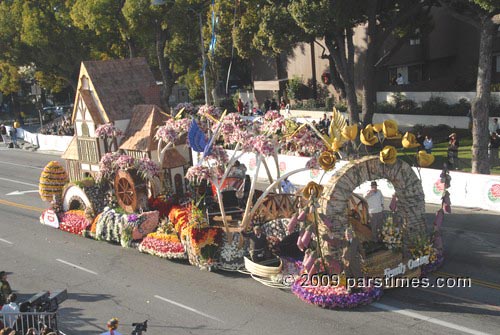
[(111, 162)]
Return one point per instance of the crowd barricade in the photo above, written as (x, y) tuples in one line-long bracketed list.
[(467, 189), (24, 321), (53, 142)]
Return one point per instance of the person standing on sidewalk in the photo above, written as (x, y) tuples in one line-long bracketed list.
[(453, 146), (375, 200)]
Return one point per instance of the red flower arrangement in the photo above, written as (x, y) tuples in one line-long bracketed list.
[(163, 245), (163, 206), (73, 221)]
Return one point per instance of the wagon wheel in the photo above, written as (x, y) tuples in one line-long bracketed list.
[(130, 191)]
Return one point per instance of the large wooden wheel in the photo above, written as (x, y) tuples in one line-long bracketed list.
[(130, 190)]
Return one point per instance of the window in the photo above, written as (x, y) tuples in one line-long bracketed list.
[(415, 40), (415, 73), (85, 129)]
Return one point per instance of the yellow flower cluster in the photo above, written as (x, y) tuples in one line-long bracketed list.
[(52, 181), (391, 234)]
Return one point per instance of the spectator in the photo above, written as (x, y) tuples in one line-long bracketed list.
[(324, 123), (494, 126), (400, 80), (13, 135), (112, 326), (453, 146), (238, 170), (282, 103), (274, 105), (240, 106), (420, 139), (10, 311), (5, 289), (6, 331), (3, 133), (267, 104), (258, 244), (494, 145), (287, 186), (375, 201), (428, 144), (31, 331)]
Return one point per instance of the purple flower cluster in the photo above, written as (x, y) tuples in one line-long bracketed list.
[(188, 108), (431, 267), (331, 297), (124, 162), (147, 168), (273, 122), (313, 163), (108, 129)]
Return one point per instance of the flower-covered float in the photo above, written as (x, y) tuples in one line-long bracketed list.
[(320, 235)]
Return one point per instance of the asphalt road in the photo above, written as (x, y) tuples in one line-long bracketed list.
[(105, 280)]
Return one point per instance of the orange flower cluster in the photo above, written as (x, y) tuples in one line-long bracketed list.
[(165, 237), (201, 237)]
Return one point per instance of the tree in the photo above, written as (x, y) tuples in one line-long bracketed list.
[(333, 22), (484, 15), (388, 20)]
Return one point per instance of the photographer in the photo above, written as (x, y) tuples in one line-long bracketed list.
[(112, 326)]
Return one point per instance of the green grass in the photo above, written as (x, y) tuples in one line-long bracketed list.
[(440, 152)]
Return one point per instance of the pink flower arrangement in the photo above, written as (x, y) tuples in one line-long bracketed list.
[(219, 155), (113, 161), (263, 145), (188, 108), (172, 130), (313, 163), (147, 168), (210, 110), (73, 221), (306, 142), (198, 173), (165, 248), (108, 129)]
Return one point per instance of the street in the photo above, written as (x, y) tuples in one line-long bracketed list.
[(105, 280)]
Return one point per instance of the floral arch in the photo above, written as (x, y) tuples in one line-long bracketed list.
[(338, 190)]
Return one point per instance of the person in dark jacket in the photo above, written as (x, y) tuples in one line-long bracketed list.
[(5, 289), (258, 244)]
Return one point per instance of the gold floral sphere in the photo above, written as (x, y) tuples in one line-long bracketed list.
[(377, 127), (327, 160), (388, 155), (350, 132), (425, 159), (312, 189), (409, 141), (367, 136), (390, 129)]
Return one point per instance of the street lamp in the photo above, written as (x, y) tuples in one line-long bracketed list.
[(202, 47)]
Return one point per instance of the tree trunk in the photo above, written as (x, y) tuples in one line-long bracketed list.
[(341, 55), (369, 90), (337, 83), (164, 67), (481, 103)]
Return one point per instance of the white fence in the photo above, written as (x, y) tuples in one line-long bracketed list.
[(467, 190), (419, 97), (45, 142)]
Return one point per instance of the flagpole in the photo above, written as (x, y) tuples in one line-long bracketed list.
[(203, 59)]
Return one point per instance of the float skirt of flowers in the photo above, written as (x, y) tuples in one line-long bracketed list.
[(433, 266), (331, 297), (73, 221), (163, 245)]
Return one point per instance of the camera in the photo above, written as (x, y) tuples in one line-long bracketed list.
[(140, 327)]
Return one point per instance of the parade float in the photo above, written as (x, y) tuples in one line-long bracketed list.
[(130, 180)]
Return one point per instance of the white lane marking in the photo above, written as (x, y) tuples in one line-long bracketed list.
[(5, 241), (76, 266), (22, 192), (22, 165), (18, 182), (187, 308), (428, 319)]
